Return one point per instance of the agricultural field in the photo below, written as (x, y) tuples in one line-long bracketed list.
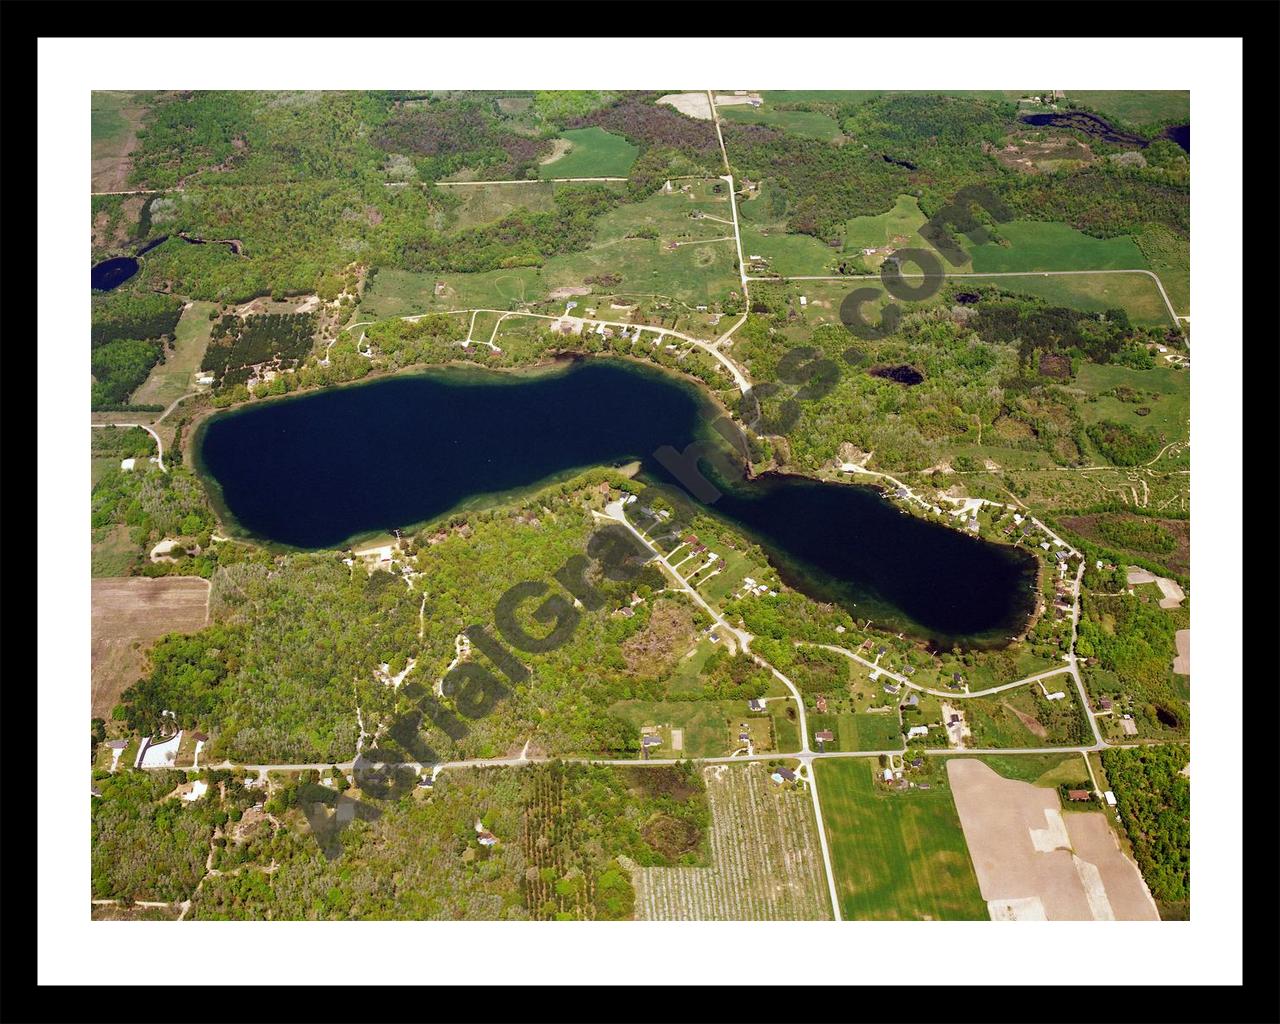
[(591, 153), (171, 378), (897, 855), (1136, 294), (1158, 399), (802, 123), (1033, 862), (129, 612), (765, 862), (1044, 245)]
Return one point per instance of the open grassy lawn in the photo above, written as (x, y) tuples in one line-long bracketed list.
[(594, 153), (1048, 245), (806, 124), (1170, 257), (788, 255), (898, 227), (1138, 107), (684, 679), (1136, 294), (896, 855), (1048, 770), (483, 204), (170, 379), (113, 553), (1165, 393), (786, 732)]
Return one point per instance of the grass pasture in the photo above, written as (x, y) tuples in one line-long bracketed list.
[(170, 379), (114, 118), (896, 855), (1048, 245), (1137, 107), (593, 153), (802, 123), (899, 227), (484, 204), (1136, 294), (1165, 393)]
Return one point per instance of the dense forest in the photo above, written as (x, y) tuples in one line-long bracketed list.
[(238, 343), (1154, 800)]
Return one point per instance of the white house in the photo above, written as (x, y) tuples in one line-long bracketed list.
[(127, 465), (1110, 798), (917, 730)]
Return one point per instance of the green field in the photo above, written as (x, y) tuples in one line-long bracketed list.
[(1048, 770), (853, 96), (105, 120), (484, 204), (1044, 245), (806, 124), (1166, 393), (1136, 294), (788, 255), (896, 856), (1137, 107), (169, 380), (1170, 257), (594, 153), (710, 726), (898, 227)]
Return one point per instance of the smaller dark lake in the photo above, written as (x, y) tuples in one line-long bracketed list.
[(1092, 124), (897, 162), (908, 375), (113, 273)]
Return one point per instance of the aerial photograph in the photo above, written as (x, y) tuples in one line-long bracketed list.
[(727, 504)]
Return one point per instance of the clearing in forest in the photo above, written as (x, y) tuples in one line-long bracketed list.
[(129, 611), (766, 864)]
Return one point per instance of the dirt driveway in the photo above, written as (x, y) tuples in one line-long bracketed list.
[(1036, 863)]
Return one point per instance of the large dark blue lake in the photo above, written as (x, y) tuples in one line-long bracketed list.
[(320, 470)]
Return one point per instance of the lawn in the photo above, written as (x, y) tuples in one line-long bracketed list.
[(1048, 770), (805, 124), (169, 380), (593, 153), (788, 255), (896, 856), (710, 726), (1136, 294), (1048, 245)]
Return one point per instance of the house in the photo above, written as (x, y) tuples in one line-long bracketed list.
[(911, 701), (954, 720), (116, 744), (127, 465), (923, 785), (755, 704), (1110, 798), (426, 782), (95, 791), (714, 638), (487, 839), (880, 652), (888, 775), (917, 730), (891, 688), (917, 762), (651, 741), (745, 737), (821, 704), (901, 492), (1104, 703), (200, 737), (910, 670), (783, 775), (803, 301), (867, 645), (1078, 795), (1059, 695), (825, 736), (956, 677)]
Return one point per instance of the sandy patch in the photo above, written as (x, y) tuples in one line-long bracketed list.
[(134, 610), (559, 148), (692, 104), (1173, 595), (1182, 663), (568, 291), (726, 100), (1035, 863)]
